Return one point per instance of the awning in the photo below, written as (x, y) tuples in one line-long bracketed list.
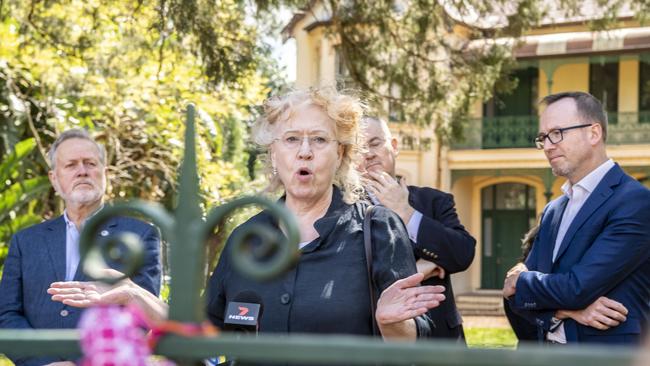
[(584, 43)]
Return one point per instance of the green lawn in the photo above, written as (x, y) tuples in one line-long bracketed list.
[(490, 337)]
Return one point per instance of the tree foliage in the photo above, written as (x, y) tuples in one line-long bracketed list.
[(428, 61), (24, 187), (18, 195), (125, 70)]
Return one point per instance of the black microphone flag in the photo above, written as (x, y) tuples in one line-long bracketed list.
[(243, 314)]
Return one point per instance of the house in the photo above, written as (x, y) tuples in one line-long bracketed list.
[(500, 182)]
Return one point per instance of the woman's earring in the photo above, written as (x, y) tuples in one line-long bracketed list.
[(274, 171)]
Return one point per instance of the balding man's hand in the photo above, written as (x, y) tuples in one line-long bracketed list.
[(391, 194)]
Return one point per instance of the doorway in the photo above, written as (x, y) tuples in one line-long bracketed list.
[(508, 211)]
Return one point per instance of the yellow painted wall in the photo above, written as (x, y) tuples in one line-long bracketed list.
[(462, 190), (306, 58), (407, 166), (315, 56), (628, 85), (476, 110), (567, 77), (327, 71), (557, 187), (418, 167), (575, 76), (429, 167)]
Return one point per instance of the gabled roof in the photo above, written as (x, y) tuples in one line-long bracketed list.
[(288, 30)]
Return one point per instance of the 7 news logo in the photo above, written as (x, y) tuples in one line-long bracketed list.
[(242, 314)]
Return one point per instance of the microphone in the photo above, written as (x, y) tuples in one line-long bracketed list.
[(243, 313), (242, 316)]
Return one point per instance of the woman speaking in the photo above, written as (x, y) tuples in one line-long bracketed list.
[(311, 144)]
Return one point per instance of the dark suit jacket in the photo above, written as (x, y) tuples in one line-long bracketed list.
[(444, 241), (525, 331), (605, 252), (37, 258)]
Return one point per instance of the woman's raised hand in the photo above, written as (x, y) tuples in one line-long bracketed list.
[(406, 299)]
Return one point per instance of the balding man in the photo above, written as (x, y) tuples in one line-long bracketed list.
[(440, 242)]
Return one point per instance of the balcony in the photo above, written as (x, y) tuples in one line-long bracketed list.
[(499, 133), (627, 128)]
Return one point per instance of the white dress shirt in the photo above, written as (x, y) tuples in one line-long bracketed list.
[(72, 234), (71, 248)]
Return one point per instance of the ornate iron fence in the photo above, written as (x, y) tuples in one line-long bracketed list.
[(186, 230)]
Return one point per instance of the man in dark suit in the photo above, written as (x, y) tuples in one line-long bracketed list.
[(587, 278), (440, 242), (49, 252)]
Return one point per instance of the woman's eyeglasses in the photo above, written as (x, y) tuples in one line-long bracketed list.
[(294, 141)]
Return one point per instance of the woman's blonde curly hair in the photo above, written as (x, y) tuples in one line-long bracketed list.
[(344, 110)]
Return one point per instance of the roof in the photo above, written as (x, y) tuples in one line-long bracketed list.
[(287, 31), (554, 15), (587, 10), (584, 43), (532, 46)]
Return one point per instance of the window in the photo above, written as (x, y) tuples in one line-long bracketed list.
[(603, 84), (508, 196), (522, 101)]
